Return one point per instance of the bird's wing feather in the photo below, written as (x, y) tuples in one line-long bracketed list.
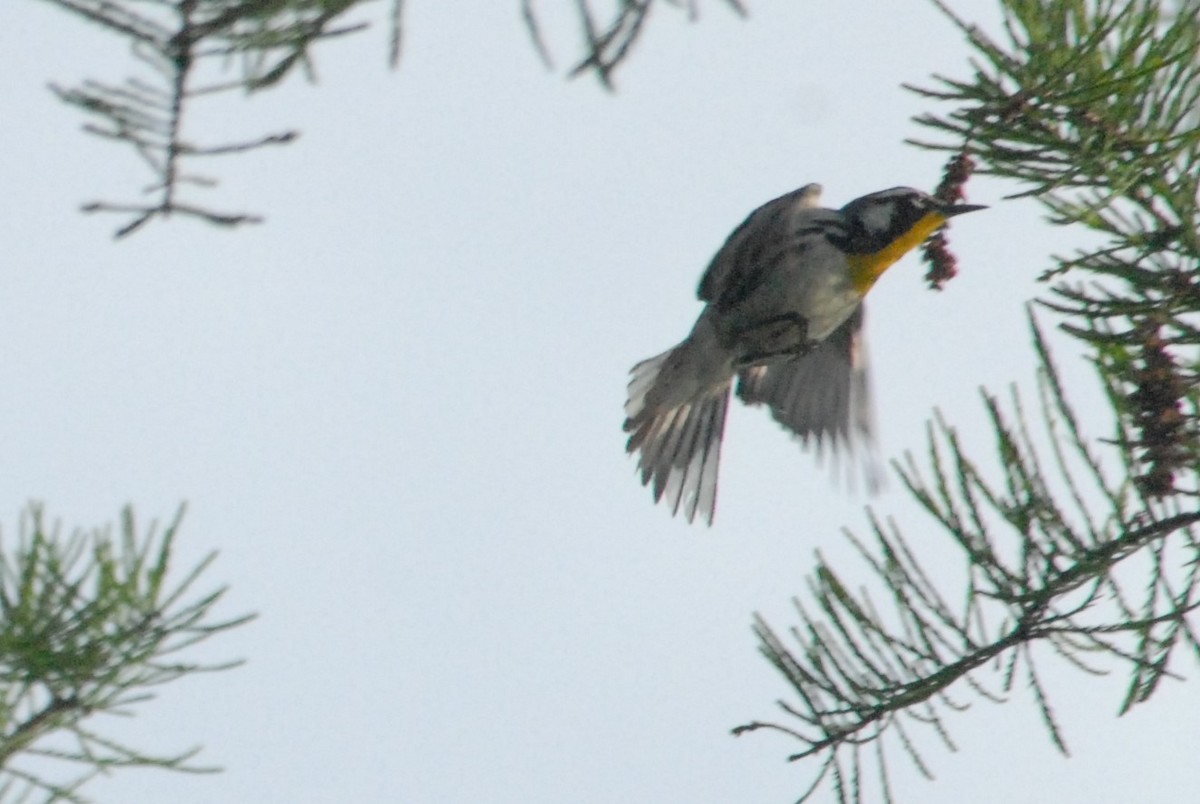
[(753, 247), (823, 394)]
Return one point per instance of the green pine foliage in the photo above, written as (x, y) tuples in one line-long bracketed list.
[(90, 623)]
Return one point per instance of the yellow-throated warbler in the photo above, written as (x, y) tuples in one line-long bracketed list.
[(784, 315)]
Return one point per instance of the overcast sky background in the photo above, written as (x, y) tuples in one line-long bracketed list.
[(395, 407)]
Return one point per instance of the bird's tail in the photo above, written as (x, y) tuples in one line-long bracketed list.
[(678, 442)]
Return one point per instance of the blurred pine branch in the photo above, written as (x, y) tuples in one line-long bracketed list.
[(187, 51)]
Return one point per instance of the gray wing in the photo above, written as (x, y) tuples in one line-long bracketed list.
[(760, 240), (824, 394)]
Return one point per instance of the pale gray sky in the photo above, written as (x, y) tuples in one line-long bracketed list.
[(395, 408)]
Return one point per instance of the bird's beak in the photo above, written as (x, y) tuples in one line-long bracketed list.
[(958, 209)]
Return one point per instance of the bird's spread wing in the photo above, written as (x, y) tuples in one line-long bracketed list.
[(760, 242), (823, 394)]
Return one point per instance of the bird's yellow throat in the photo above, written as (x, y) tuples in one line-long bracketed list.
[(866, 268)]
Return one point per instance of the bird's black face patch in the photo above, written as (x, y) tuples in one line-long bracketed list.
[(874, 221)]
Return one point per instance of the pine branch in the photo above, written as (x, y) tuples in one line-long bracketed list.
[(181, 44), (85, 625), (177, 42), (860, 676), (608, 44)]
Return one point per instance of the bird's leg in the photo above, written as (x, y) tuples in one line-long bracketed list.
[(783, 335)]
